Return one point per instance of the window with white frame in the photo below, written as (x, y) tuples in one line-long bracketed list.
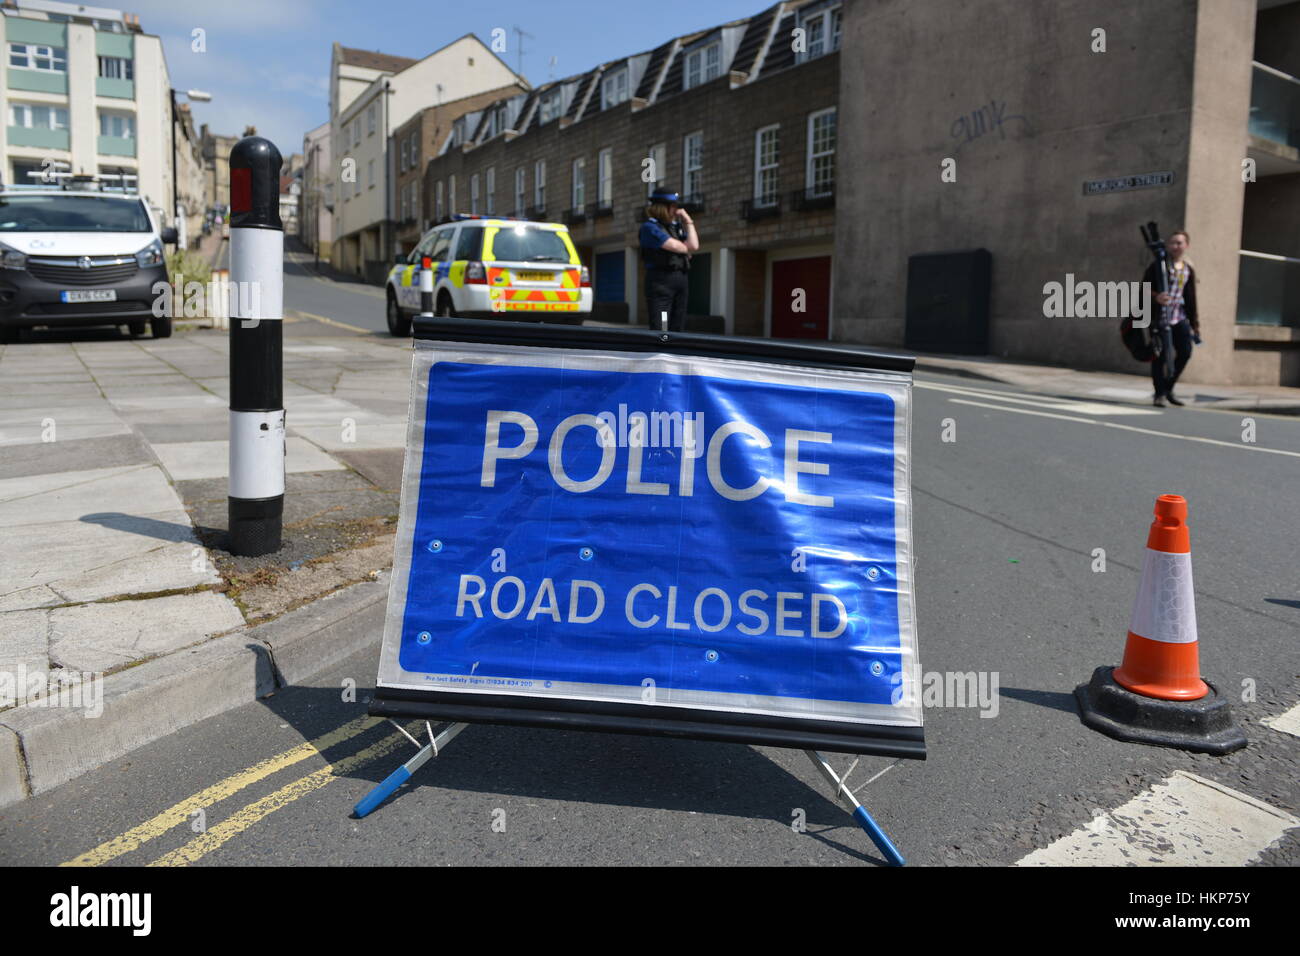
[(473, 195), (821, 152), (821, 31), (116, 68), (491, 176), (36, 116), (458, 132), (605, 177), (767, 165), (550, 106), (437, 201), (29, 56), (521, 191), (613, 88), (401, 165), (703, 65), (579, 182), (692, 164), (497, 120), (119, 125), (451, 194), (539, 184), (415, 149)]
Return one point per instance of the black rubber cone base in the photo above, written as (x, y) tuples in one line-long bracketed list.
[(1203, 726)]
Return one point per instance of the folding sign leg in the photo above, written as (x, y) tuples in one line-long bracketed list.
[(844, 795), (403, 773)]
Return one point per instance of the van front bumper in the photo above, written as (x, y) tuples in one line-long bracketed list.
[(28, 301)]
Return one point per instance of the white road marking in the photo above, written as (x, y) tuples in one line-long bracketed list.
[(1183, 821), (1288, 723), (1244, 446), (1043, 401)]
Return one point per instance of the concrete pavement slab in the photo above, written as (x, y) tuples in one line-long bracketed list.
[(382, 466), (67, 496), (187, 461), (362, 435), (24, 641), (140, 705), (46, 457), (102, 555), (104, 636)]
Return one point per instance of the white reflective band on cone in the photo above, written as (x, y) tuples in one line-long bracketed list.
[(257, 274), (256, 454), (1165, 609)]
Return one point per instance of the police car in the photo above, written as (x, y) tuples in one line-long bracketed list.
[(76, 256), (492, 267)]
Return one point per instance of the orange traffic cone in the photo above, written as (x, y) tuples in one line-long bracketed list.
[(1157, 695), (1161, 658)]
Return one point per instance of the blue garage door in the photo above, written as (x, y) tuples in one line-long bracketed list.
[(609, 277)]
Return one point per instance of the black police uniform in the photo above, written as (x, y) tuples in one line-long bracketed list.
[(666, 272)]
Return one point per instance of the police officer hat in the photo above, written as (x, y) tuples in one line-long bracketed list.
[(662, 195)]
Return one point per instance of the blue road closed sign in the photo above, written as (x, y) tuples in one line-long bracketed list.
[(684, 541)]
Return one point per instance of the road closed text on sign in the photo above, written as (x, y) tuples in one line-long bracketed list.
[(702, 533)]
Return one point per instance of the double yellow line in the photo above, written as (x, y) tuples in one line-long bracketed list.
[(217, 836)]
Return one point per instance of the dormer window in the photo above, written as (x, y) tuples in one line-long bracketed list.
[(498, 120), (703, 65), (550, 107), (458, 132), (613, 89), (821, 31)]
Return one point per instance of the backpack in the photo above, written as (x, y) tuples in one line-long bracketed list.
[(1137, 341)]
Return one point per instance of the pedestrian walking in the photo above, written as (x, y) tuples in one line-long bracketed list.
[(1176, 326), (667, 240)]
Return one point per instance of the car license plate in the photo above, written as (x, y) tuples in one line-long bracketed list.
[(89, 295), (535, 276)]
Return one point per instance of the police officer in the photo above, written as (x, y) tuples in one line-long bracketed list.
[(667, 239)]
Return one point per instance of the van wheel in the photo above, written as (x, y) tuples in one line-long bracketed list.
[(444, 308), (399, 325), (136, 329), (162, 328)]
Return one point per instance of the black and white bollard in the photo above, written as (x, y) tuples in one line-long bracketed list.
[(256, 495), (426, 288)]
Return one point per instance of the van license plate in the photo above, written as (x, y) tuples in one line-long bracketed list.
[(89, 295)]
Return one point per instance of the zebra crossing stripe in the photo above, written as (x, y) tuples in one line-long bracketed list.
[(1185, 820)]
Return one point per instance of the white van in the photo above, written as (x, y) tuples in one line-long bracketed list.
[(79, 258)]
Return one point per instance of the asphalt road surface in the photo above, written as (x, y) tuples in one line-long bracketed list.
[(1007, 518)]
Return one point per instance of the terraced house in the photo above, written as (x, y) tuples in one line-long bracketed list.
[(85, 91), (740, 118)]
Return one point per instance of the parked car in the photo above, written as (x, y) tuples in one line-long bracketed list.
[(492, 267), (71, 257)]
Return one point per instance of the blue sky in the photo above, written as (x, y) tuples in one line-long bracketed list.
[(267, 61)]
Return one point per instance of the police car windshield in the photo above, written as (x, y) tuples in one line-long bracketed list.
[(529, 245), (71, 214)]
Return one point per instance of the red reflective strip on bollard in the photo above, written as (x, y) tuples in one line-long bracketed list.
[(425, 262), (241, 190)]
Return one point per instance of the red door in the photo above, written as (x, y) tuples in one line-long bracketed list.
[(801, 284)]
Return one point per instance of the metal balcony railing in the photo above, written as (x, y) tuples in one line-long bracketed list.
[(1275, 105), (598, 210), (575, 215), (751, 210), (1268, 290), (807, 200)]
